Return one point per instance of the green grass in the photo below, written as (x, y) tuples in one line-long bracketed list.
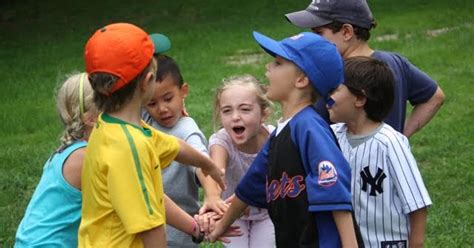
[(41, 42)]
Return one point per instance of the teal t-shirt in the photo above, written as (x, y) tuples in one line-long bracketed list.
[(53, 215)]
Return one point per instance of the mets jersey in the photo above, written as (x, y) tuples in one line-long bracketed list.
[(121, 182), (301, 176), (386, 185)]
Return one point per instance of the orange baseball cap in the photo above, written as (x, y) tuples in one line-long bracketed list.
[(121, 49)]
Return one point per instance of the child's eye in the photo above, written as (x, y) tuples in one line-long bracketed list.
[(168, 99), (151, 104), (225, 111)]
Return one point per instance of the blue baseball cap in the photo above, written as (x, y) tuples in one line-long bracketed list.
[(162, 43), (315, 56)]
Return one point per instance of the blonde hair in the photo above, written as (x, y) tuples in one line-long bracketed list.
[(245, 80), (74, 98)]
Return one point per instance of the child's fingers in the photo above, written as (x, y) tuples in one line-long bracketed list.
[(233, 231), (224, 240), (202, 221), (219, 178), (203, 209), (229, 199)]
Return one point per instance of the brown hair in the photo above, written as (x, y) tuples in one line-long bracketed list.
[(360, 33), (167, 66), (371, 78), (103, 82)]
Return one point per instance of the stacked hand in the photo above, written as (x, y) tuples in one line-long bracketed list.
[(208, 224)]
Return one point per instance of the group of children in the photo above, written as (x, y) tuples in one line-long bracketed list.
[(308, 184)]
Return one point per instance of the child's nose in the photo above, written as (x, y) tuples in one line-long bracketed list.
[(235, 115), (162, 108)]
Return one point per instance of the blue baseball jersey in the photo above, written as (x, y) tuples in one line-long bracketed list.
[(301, 176)]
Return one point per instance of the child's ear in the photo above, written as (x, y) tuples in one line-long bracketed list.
[(89, 118), (149, 79), (302, 81), (360, 101), (184, 90)]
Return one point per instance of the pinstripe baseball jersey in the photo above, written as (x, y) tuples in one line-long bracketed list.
[(386, 185)]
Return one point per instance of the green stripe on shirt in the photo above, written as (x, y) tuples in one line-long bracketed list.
[(137, 167)]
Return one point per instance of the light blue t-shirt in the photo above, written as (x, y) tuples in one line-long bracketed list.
[(53, 215), (179, 180)]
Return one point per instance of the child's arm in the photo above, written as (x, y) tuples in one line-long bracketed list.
[(155, 237), (188, 155), (417, 227), (212, 199), (345, 226), (235, 210), (179, 219), (72, 168)]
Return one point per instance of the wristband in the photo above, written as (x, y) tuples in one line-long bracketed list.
[(199, 239), (200, 236)]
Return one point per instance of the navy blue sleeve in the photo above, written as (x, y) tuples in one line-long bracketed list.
[(321, 109), (328, 173), (420, 86), (252, 187)]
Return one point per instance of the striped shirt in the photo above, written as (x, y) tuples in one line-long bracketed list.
[(386, 185)]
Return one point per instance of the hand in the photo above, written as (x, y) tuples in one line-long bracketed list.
[(219, 234), (206, 221), (215, 204), (216, 174)]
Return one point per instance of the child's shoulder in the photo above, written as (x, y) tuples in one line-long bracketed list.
[(185, 127), (390, 137), (308, 118)]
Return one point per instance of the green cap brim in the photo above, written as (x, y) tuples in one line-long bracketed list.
[(162, 43)]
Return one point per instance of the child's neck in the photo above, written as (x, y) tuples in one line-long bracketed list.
[(290, 108), (254, 145), (362, 126), (130, 112)]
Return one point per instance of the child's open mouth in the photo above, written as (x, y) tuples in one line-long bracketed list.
[(238, 130)]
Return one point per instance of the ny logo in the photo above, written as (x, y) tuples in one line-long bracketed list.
[(375, 182)]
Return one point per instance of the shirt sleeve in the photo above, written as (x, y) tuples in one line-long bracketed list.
[(407, 178), (252, 187), (167, 147), (131, 188), (197, 142), (328, 173), (421, 87), (221, 138)]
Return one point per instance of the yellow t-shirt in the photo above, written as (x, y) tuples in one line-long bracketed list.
[(121, 182)]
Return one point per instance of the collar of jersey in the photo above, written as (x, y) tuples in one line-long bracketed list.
[(109, 119)]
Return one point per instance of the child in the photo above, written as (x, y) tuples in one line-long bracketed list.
[(53, 215), (300, 174), (347, 23), (165, 113), (389, 197), (123, 201), (241, 108)]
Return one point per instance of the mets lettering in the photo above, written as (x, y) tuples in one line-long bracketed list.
[(286, 186)]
